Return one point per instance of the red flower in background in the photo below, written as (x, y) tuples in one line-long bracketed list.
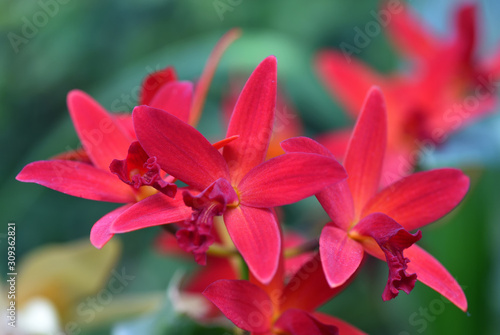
[(237, 184), (281, 309), (104, 137), (365, 219), (447, 87), (222, 266)]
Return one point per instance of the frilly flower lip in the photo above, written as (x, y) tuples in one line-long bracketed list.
[(392, 238), (196, 234), (138, 169)]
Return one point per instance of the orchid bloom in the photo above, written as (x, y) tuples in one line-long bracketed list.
[(445, 89), (237, 184), (378, 222), (281, 309), (222, 266), (106, 137)]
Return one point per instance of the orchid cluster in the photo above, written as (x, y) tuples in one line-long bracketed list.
[(219, 201)]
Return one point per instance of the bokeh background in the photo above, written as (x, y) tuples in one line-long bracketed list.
[(106, 48)]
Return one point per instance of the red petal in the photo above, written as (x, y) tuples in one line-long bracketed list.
[(154, 210), (344, 327), (392, 238), (217, 268), (288, 178), (256, 234), (100, 233), (77, 179), (433, 274), (245, 304), (465, 40), (174, 97), (298, 322), (337, 202), (340, 255), (181, 150), (125, 121), (252, 119), (421, 198), (154, 82), (410, 36), (305, 144), (308, 288), (365, 153), (102, 137), (336, 199), (336, 142), (346, 79), (203, 84)]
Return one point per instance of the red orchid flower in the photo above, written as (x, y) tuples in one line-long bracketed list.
[(378, 222), (223, 267), (445, 89), (279, 309), (86, 172), (237, 185)]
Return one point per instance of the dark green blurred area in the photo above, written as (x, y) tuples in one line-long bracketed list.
[(106, 48)]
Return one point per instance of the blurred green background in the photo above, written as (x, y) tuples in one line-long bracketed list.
[(106, 48)]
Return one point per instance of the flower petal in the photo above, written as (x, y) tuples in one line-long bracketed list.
[(433, 274), (340, 255), (346, 78), (337, 202), (288, 178), (410, 36), (308, 288), (466, 31), (174, 97), (181, 150), (77, 179), (420, 198), (365, 153), (305, 144), (336, 199), (125, 121), (242, 302), (100, 233), (336, 142), (344, 327), (154, 210), (298, 322), (205, 79), (154, 82), (102, 137), (256, 234), (252, 119), (392, 238)]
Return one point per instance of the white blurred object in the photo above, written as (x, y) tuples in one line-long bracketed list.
[(39, 316)]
